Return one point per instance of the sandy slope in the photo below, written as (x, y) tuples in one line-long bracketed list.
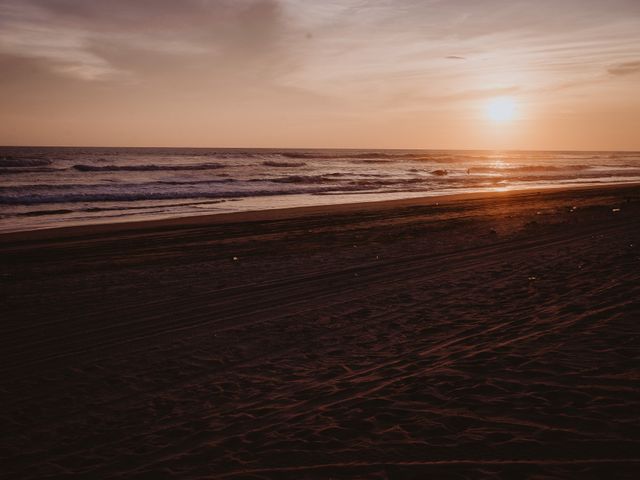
[(481, 337)]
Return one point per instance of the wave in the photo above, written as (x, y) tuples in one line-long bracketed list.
[(44, 187), (11, 162), (312, 179), (18, 196), (70, 197), (40, 213), (372, 160), (194, 182), (271, 163), (528, 168), (147, 168), (139, 196), (364, 182), (36, 213), (359, 155), (14, 170), (40, 194), (390, 182), (435, 156)]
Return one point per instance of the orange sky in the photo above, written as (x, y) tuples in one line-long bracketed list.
[(307, 73)]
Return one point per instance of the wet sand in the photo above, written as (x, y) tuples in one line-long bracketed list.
[(481, 336)]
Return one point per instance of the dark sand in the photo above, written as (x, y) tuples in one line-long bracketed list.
[(491, 336)]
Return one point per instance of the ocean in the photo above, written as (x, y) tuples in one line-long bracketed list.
[(45, 187)]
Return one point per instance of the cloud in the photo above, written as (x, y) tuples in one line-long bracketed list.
[(306, 44), (72, 36), (626, 68), (387, 48)]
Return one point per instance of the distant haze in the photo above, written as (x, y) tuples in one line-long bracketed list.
[(308, 73)]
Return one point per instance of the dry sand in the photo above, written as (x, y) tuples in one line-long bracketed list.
[(486, 336)]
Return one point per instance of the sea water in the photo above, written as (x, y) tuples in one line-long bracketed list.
[(44, 187)]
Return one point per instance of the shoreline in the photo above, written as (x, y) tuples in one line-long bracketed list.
[(191, 221)]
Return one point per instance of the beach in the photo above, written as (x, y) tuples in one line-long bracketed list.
[(488, 335)]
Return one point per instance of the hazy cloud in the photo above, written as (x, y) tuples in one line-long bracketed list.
[(71, 35), (626, 68)]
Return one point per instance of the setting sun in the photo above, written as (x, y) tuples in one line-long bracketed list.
[(501, 109)]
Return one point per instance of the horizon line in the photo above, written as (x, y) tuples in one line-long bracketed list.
[(332, 148)]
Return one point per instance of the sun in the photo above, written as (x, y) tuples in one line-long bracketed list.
[(501, 109)]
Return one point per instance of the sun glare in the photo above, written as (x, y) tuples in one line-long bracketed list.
[(501, 109)]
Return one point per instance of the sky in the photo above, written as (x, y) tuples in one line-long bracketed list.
[(325, 74)]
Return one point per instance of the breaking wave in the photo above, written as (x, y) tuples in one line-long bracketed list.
[(311, 179), (14, 170), (68, 197), (147, 168), (18, 196), (10, 162), (528, 168), (271, 163)]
